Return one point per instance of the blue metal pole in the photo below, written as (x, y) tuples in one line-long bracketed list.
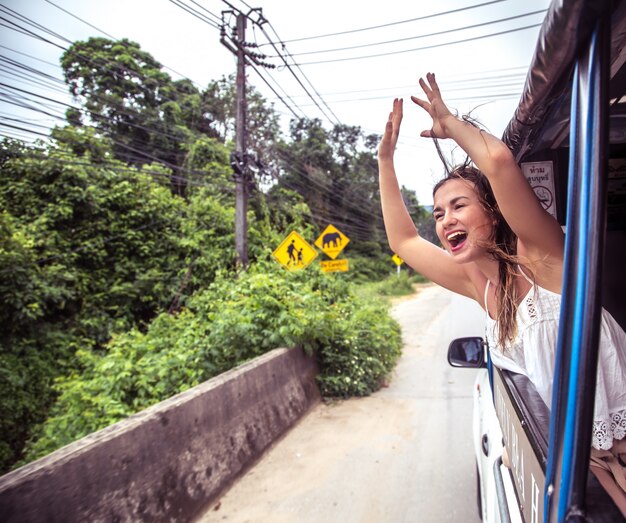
[(577, 349)]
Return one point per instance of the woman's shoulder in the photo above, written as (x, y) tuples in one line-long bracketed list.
[(546, 270)]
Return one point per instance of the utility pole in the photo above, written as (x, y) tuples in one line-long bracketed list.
[(241, 177), (236, 43)]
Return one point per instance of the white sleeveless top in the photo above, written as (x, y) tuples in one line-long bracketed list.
[(532, 354)]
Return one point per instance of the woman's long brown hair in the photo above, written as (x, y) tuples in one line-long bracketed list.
[(502, 246)]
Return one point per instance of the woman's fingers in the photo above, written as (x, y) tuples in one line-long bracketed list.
[(433, 83), (422, 103), (426, 88), (397, 107), (392, 130)]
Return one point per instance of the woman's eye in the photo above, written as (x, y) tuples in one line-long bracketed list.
[(459, 206), (437, 217)]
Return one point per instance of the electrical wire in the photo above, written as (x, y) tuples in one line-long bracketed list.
[(417, 37), (281, 42), (30, 56), (277, 35), (334, 118), (195, 13), (111, 37), (218, 20), (364, 229), (434, 46), (91, 25), (254, 68), (447, 84)]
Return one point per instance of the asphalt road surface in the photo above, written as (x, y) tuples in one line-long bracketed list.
[(403, 454)]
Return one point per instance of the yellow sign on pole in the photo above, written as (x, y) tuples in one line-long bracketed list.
[(397, 260), (294, 253), (335, 266), (332, 241)]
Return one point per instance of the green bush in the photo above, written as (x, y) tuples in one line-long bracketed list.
[(396, 285), (370, 269), (234, 320), (364, 348)]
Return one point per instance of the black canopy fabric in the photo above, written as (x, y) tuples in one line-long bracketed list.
[(567, 25)]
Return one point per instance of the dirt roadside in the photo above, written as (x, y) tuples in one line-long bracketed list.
[(402, 454)]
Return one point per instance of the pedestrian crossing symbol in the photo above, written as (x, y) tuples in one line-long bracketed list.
[(294, 253), (332, 241)]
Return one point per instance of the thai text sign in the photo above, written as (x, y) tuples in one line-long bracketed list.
[(335, 266), (540, 175)]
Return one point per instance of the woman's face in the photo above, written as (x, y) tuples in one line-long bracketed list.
[(462, 224)]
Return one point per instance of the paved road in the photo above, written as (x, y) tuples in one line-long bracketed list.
[(403, 454)]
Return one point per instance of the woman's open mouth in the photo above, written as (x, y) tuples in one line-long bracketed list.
[(456, 240)]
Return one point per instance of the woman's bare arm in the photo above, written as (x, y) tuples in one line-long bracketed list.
[(404, 239), (536, 229)]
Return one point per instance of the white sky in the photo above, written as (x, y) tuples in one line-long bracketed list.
[(484, 74)]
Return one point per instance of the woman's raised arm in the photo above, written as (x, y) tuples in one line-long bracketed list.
[(404, 239), (538, 232)]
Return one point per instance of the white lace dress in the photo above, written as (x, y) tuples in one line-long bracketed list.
[(532, 354)]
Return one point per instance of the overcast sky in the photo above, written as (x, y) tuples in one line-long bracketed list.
[(476, 71)]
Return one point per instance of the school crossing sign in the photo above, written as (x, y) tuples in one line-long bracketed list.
[(332, 241), (294, 253)]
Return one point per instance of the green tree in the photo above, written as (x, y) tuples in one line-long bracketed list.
[(262, 124), (87, 248), (127, 96), (337, 175)]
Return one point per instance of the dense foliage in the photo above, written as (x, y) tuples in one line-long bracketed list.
[(117, 249), (356, 342)]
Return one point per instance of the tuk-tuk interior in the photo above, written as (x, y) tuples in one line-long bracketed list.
[(539, 133), (540, 128)]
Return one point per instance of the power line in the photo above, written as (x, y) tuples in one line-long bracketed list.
[(17, 64), (218, 20), (290, 69), (30, 56), (195, 13), (112, 37), (33, 23), (274, 90), (260, 24), (444, 44), (446, 83), (437, 33), (80, 19), (144, 155), (384, 25)]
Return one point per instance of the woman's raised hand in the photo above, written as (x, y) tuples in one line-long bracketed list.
[(434, 107), (392, 129)]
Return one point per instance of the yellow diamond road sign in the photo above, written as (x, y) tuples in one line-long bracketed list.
[(397, 260), (332, 241), (295, 253)]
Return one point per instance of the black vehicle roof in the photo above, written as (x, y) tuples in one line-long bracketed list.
[(541, 119)]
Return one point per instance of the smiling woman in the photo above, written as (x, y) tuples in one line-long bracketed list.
[(502, 249)]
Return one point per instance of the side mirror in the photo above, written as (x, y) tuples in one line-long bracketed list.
[(467, 352)]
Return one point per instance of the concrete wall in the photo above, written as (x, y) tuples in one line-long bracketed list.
[(169, 462)]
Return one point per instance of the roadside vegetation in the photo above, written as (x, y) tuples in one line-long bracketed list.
[(393, 286), (118, 281)]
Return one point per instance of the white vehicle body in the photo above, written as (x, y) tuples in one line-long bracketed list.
[(488, 447)]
